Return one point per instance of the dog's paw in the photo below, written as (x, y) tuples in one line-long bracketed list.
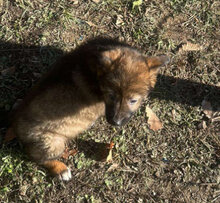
[(65, 175)]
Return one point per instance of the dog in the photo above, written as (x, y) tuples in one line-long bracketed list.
[(101, 77)]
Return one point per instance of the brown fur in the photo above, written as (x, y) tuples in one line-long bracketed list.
[(100, 77)]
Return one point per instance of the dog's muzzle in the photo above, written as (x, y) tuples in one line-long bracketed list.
[(118, 119)]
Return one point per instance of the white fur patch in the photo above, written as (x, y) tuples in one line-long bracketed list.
[(65, 175)]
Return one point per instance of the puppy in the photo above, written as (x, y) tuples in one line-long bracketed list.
[(100, 77)]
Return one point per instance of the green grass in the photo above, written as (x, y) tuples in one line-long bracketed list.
[(179, 163)]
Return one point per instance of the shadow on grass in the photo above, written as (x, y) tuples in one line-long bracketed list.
[(184, 92), (26, 63), (97, 151)]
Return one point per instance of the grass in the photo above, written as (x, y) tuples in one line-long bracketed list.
[(180, 163)]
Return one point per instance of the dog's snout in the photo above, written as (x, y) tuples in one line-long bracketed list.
[(117, 121), (121, 119), (117, 117)]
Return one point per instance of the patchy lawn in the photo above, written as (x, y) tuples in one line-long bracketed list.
[(180, 162)]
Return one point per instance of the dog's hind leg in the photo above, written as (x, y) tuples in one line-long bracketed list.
[(46, 150)]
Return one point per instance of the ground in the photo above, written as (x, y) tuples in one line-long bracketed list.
[(180, 162)]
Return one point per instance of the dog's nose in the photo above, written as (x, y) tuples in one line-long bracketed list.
[(121, 119), (117, 122)]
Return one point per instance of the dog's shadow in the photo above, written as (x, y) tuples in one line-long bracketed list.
[(97, 151), (25, 61)]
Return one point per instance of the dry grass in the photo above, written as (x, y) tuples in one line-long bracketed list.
[(180, 163)]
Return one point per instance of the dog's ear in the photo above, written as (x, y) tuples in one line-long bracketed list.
[(154, 63)]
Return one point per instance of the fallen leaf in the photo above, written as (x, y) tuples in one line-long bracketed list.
[(110, 147), (96, 1), (75, 1), (67, 152), (207, 109), (103, 152), (153, 120), (191, 47), (109, 157)]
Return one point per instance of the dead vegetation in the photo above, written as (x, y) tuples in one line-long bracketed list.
[(178, 163)]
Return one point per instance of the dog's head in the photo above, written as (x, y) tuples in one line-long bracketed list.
[(126, 77)]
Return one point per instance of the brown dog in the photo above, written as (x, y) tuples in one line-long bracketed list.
[(102, 76)]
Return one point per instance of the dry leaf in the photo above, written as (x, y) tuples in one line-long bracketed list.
[(191, 47), (98, 151), (67, 152), (153, 120), (96, 1), (110, 147), (103, 152), (109, 157), (207, 109), (75, 1)]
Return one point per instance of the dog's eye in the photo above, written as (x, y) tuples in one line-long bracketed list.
[(132, 101)]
